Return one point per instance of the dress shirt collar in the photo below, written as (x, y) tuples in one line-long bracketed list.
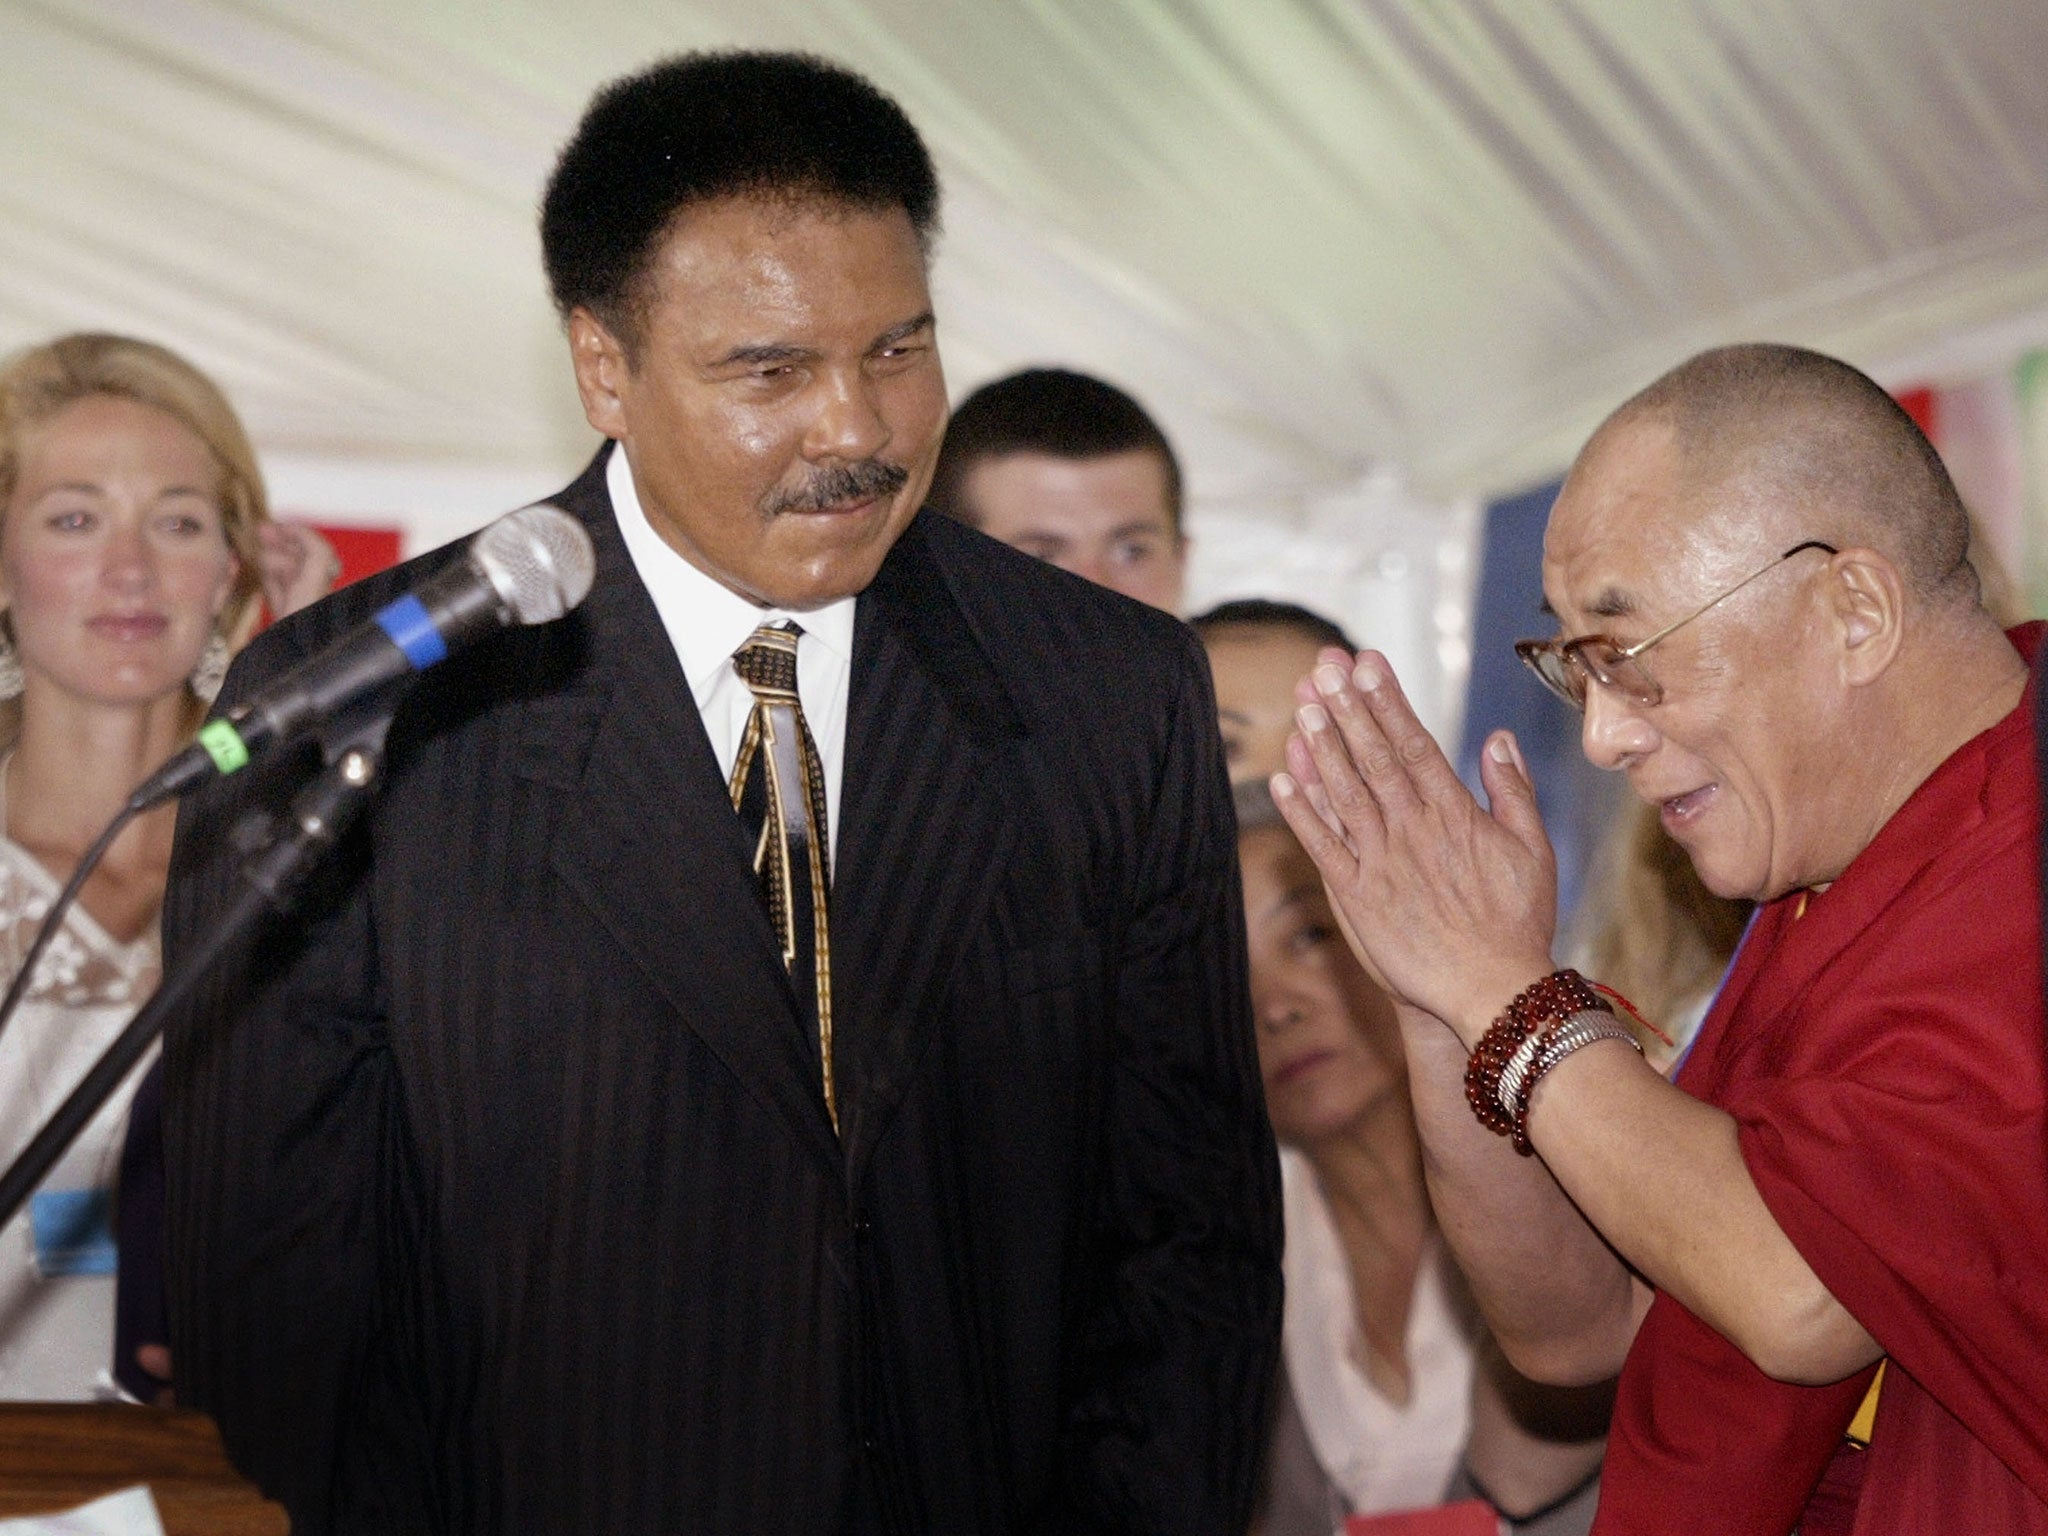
[(706, 620)]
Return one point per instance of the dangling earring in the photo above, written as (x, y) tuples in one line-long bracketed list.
[(10, 664), (206, 678)]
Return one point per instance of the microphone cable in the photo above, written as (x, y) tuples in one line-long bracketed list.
[(18, 988)]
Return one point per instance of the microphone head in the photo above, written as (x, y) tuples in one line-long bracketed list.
[(540, 561)]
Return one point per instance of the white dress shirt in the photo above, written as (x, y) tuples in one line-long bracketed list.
[(708, 621)]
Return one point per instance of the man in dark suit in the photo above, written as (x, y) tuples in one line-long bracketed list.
[(546, 1173)]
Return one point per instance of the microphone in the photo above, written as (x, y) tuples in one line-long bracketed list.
[(528, 567)]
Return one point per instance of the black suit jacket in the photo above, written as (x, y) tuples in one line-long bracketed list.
[(503, 1194)]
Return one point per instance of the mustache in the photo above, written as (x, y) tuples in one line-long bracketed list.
[(868, 479)]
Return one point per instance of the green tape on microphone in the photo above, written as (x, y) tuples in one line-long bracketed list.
[(224, 745)]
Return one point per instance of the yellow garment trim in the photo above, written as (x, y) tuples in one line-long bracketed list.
[(1866, 1416)]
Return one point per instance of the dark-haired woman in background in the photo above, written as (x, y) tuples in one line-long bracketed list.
[(1392, 1395), (134, 543)]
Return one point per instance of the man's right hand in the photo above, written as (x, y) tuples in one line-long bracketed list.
[(1453, 907)]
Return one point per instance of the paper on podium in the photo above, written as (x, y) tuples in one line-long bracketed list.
[(131, 1512)]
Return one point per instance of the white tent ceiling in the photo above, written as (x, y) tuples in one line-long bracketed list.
[(1337, 244)]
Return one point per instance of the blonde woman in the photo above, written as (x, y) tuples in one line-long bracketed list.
[(134, 544)]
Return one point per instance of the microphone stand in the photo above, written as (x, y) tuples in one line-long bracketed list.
[(278, 863)]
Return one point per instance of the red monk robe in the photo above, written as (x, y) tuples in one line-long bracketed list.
[(1885, 1055)]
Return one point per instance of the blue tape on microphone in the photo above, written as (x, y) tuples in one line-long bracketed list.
[(413, 632)]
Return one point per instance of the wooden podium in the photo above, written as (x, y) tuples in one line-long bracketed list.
[(56, 1456)]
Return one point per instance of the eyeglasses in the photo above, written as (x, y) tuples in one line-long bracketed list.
[(1565, 666)]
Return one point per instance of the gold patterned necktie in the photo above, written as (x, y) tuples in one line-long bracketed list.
[(778, 789)]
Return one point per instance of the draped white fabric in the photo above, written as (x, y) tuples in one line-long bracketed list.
[(1338, 245)]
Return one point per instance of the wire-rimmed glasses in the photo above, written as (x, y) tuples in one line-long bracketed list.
[(1565, 667)]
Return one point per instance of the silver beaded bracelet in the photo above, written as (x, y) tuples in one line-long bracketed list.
[(1559, 1041), (1581, 1029), (1517, 1068)]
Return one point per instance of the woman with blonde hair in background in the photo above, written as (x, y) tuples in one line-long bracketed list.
[(1655, 934), (135, 541)]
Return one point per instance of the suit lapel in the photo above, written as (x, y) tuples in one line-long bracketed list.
[(650, 841), (925, 829)]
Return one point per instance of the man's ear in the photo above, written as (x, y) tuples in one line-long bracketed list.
[(1866, 604), (602, 373)]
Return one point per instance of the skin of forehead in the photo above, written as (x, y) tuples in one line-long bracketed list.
[(1635, 524), (1031, 493), (1255, 669)]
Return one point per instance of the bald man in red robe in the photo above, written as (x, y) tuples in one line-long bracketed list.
[(1770, 623)]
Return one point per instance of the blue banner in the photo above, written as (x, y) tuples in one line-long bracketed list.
[(1579, 802)]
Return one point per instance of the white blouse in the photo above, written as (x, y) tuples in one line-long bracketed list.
[(1380, 1455), (57, 1295)]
